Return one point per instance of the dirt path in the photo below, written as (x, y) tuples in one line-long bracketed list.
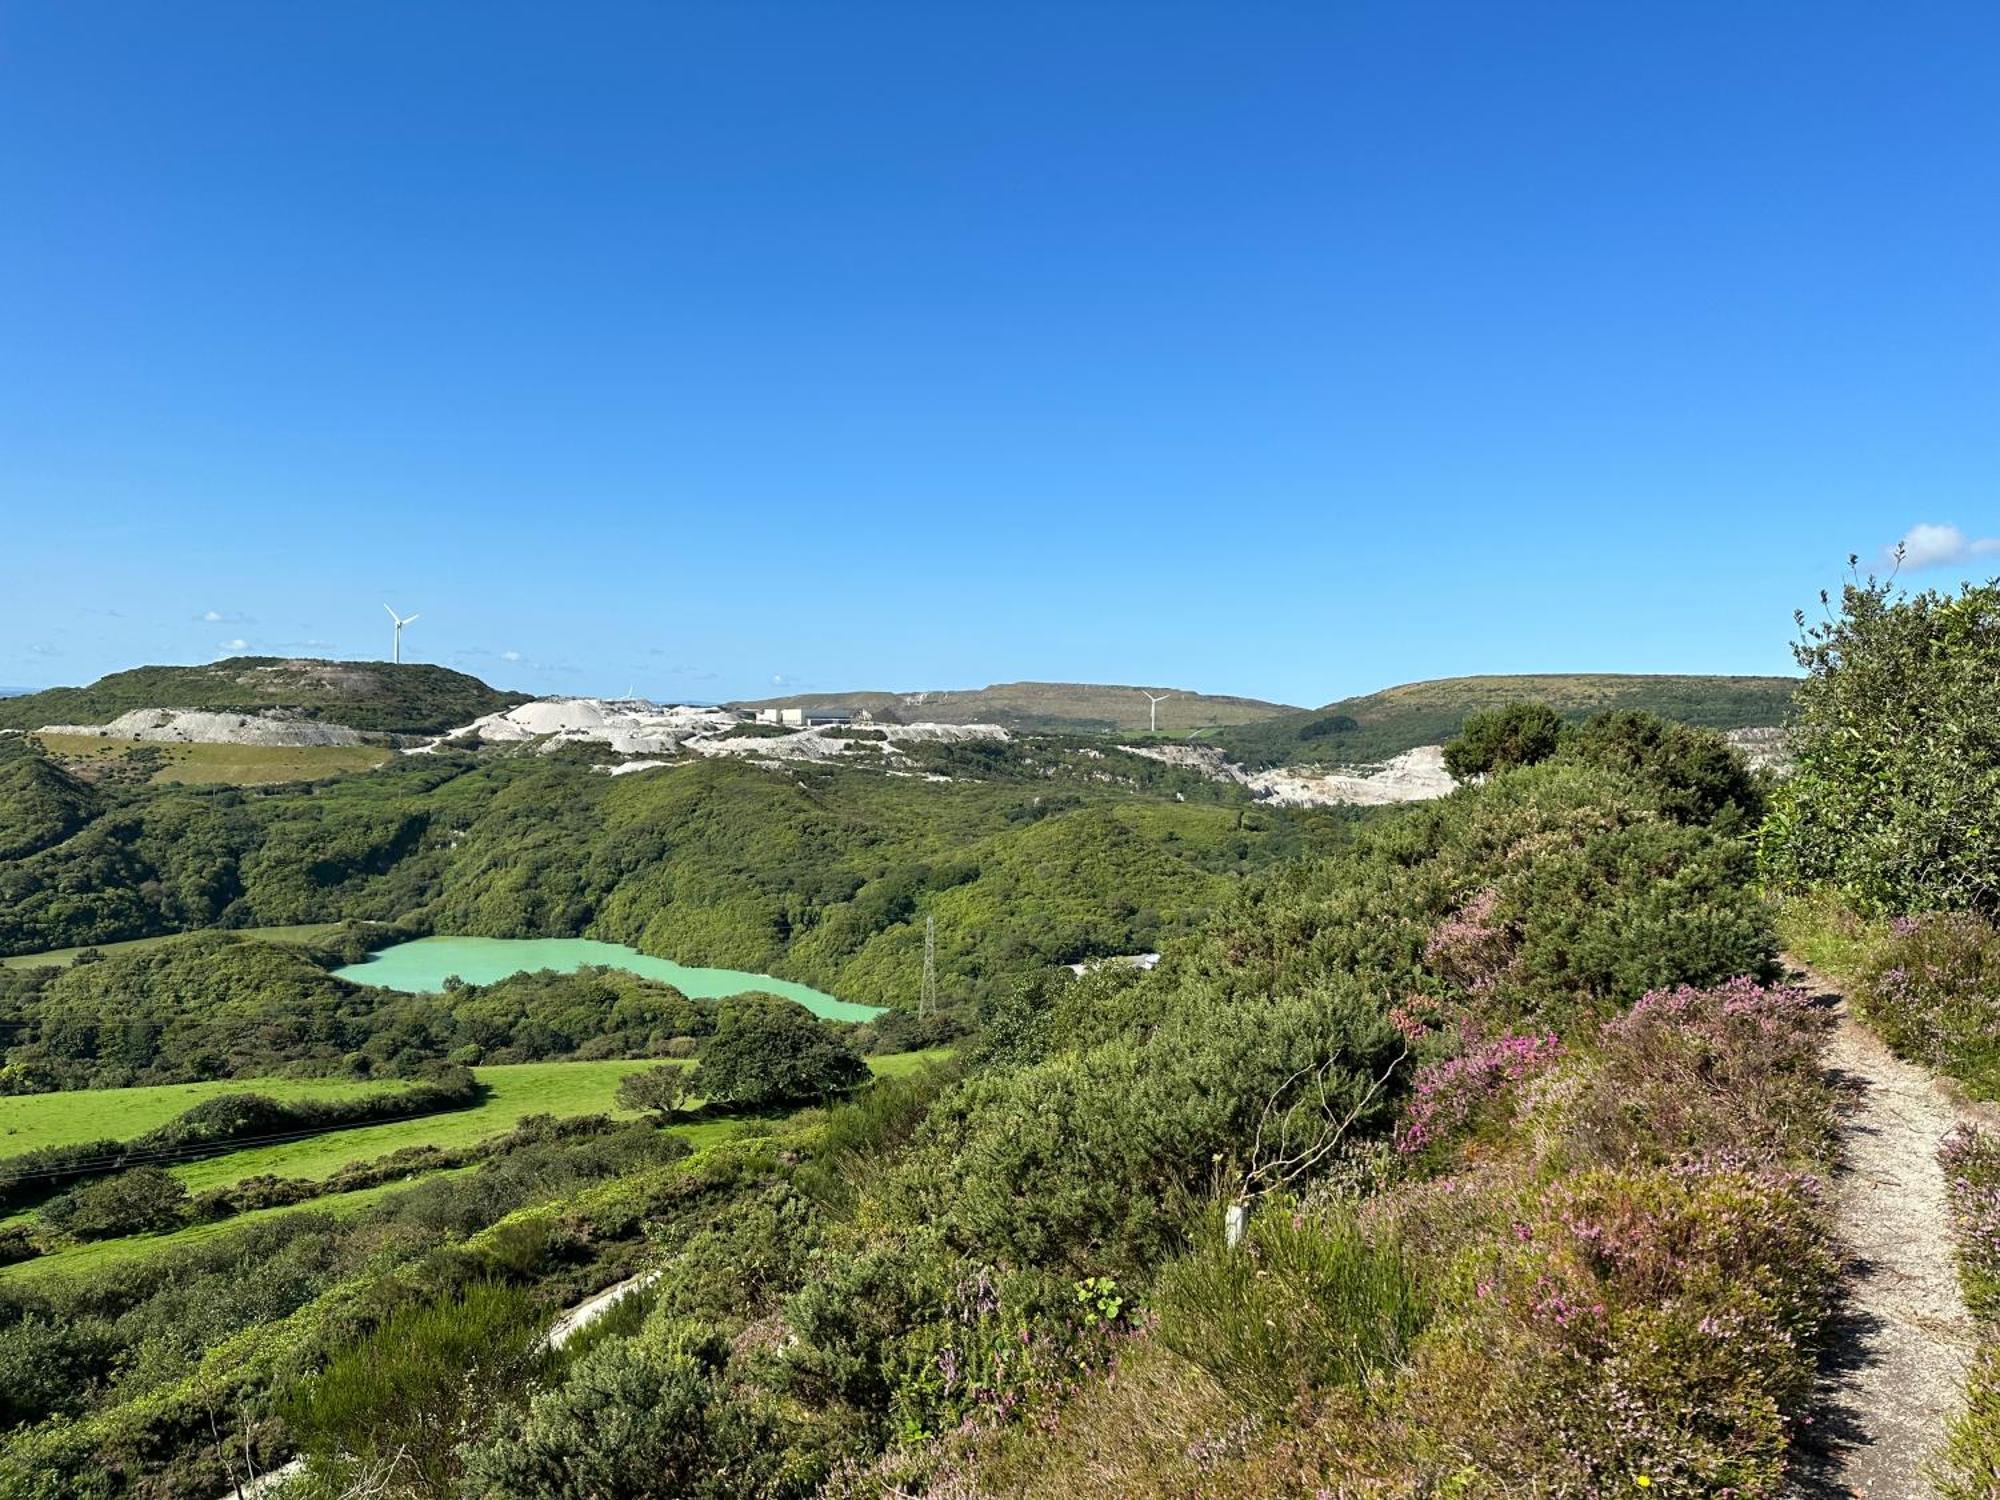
[(1895, 1375)]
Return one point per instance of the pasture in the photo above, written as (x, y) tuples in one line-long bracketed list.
[(211, 765)]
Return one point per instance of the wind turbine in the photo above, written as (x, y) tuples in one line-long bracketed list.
[(1153, 705), (400, 623)]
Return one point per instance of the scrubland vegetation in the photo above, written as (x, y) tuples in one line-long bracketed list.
[(1887, 843), (1497, 1077), (1470, 1148), (1361, 731)]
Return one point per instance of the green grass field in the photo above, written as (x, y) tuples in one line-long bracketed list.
[(29, 1122), (64, 957), (100, 1254), (521, 1089), (232, 765)]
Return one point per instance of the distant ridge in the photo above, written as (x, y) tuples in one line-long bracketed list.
[(375, 696), (1372, 728), (1078, 707)]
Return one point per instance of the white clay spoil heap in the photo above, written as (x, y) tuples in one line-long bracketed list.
[(195, 726)]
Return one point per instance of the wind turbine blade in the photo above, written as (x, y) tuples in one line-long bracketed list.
[(412, 617), (392, 613)]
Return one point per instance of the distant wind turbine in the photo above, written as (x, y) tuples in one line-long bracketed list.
[(1153, 705), (400, 623)]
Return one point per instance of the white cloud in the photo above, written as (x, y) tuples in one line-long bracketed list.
[(510, 656), (43, 648), (224, 617), (1929, 545), (239, 644)]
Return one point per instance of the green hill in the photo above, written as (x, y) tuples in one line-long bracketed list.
[(1087, 707), (1360, 731), (377, 696)]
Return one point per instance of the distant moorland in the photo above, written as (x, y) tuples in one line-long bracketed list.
[(1360, 731), (1061, 706)]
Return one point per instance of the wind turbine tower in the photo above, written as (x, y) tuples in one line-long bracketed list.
[(1154, 705), (400, 623)]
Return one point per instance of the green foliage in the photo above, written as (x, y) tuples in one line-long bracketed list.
[(650, 1417), (661, 1090), (768, 1051), (1930, 986), (1502, 739), (1969, 1468), (407, 698), (392, 1407), (1895, 796), (40, 803), (1307, 1301), (138, 1201), (1359, 731), (1092, 1158), (1691, 774)]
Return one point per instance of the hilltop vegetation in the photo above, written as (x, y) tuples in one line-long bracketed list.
[(380, 697), (1069, 707), (1366, 730)]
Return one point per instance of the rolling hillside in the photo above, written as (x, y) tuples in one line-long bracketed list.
[(375, 696), (1361, 731), (1087, 707)]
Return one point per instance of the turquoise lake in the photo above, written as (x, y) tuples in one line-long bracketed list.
[(422, 966)]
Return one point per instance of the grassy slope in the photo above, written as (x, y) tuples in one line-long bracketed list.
[(100, 1254), (397, 699), (526, 1088), (29, 1122), (304, 932), (1379, 725), (1048, 706), (230, 765)]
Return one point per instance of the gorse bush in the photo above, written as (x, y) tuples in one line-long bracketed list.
[(1895, 797), (651, 1417), (387, 1414), (1308, 1301), (1503, 739)]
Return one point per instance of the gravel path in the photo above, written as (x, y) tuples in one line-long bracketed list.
[(1895, 1374)]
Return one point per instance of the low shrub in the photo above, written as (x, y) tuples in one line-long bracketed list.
[(387, 1413), (1969, 1467), (140, 1201), (1451, 1093), (1648, 1329), (1930, 985), (1971, 1162), (1306, 1301), (1732, 1070)]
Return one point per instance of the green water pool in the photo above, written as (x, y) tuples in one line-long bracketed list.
[(422, 966)]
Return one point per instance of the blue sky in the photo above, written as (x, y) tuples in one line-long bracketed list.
[(1290, 350)]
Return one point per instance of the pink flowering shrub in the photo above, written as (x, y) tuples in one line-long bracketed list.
[(1734, 1068), (1633, 1329), (1469, 948), (1931, 987), (1451, 1093)]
